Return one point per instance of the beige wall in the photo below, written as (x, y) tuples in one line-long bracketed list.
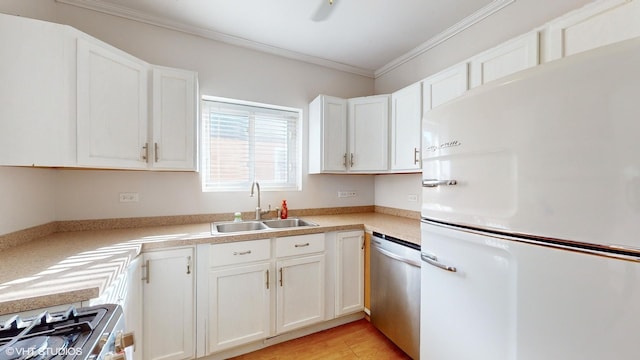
[(35, 196), (224, 70), (27, 198), (517, 18)]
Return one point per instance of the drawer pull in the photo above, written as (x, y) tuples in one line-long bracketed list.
[(301, 245), (242, 252)]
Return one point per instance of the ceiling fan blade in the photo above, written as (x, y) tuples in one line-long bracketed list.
[(324, 10)]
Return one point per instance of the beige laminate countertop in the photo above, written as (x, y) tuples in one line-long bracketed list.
[(70, 267)]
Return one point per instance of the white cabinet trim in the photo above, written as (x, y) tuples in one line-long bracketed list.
[(525, 47), (597, 24)]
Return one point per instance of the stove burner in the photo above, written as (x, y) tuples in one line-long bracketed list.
[(73, 334)]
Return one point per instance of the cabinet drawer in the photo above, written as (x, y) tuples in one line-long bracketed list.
[(299, 245), (240, 252)]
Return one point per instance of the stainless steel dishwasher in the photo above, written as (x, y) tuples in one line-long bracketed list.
[(395, 291)]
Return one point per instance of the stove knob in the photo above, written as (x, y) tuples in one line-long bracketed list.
[(103, 340), (123, 340), (112, 356)]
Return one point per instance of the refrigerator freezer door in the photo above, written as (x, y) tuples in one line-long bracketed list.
[(551, 151), (468, 313), (519, 301)]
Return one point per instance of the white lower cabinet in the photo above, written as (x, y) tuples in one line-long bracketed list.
[(239, 294), (301, 281), (258, 289), (349, 272), (239, 305), (300, 292), (168, 311)]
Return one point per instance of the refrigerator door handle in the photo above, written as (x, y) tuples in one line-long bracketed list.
[(436, 182), (433, 260)]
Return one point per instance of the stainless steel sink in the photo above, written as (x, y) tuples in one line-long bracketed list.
[(231, 227), (286, 223), (225, 227)]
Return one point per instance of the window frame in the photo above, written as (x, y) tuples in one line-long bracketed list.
[(265, 185)]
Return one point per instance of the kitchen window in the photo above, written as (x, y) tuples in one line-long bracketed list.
[(245, 142)]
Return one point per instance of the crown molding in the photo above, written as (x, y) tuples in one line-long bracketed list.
[(465, 23), (123, 12)]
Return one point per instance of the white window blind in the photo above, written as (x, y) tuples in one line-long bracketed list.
[(245, 142)]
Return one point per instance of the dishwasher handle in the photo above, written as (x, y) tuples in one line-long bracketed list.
[(433, 260), (397, 257)]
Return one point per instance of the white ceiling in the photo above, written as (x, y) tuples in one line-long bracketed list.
[(367, 37)]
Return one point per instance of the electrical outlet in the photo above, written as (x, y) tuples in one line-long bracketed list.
[(343, 194), (129, 197), (412, 198)]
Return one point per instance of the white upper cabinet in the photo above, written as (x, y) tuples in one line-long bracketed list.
[(348, 135), (327, 135), (406, 116), (38, 81), (597, 24), (112, 107), (368, 119), (76, 101), (507, 58), (175, 105), (444, 86)]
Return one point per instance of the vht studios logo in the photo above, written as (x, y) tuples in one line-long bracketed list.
[(448, 144), (46, 352)]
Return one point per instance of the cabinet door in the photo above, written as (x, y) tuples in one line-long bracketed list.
[(168, 305), (132, 306), (368, 133), (327, 135), (349, 272), (239, 305), (515, 55), (597, 24), (300, 295), (37, 72), (444, 86), (174, 118), (406, 116), (112, 119)]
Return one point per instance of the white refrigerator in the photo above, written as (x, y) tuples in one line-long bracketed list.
[(531, 214)]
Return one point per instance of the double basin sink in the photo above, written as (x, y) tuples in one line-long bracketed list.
[(224, 227)]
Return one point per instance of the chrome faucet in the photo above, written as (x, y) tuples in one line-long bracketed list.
[(259, 211)]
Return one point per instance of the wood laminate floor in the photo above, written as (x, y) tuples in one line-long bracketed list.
[(356, 340)]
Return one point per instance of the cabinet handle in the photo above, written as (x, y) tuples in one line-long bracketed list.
[(145, 156), (362, 247), (267, 279), (188, 265), (437, 182), (344, 160), (242, 252), (155, 151), (301, 245), (145, 277), (351, 159), (416, 158), (281, 277)]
